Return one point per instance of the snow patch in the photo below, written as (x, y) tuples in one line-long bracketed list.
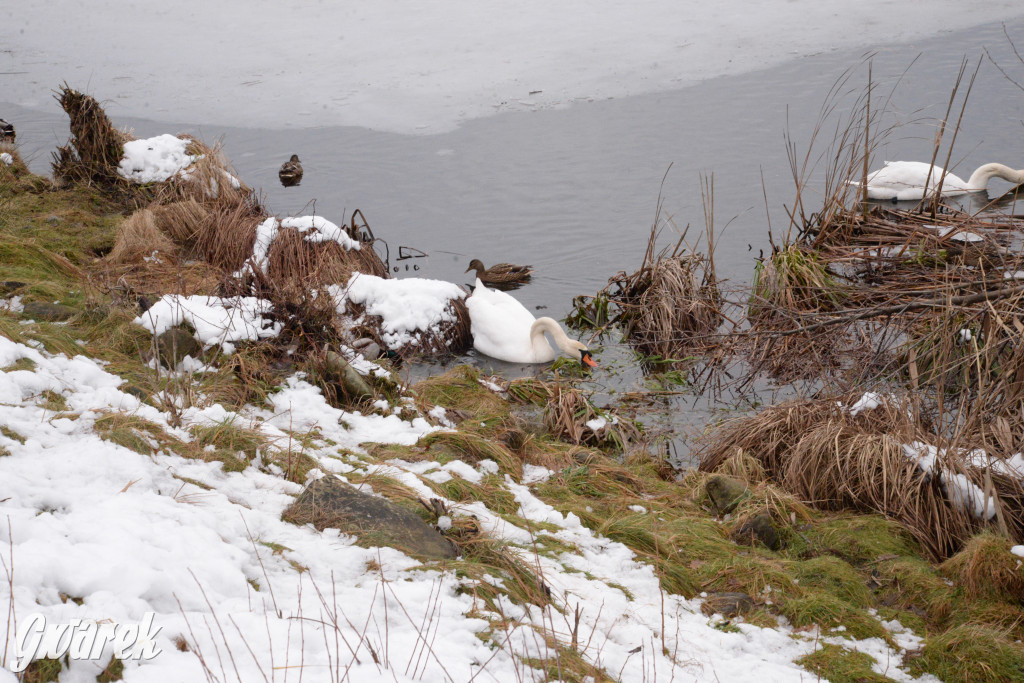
[(216, 320), (408, 308), (156, 159)]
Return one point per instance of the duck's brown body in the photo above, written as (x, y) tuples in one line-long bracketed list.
[(501, 273)]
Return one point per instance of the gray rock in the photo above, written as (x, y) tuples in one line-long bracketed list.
[(330, 503), (758, 529), (53, 219), (135, 391), (729, 605), (368, 347), (725, 492), (40, 310), (354, 384), (176, 343), (371, 351)]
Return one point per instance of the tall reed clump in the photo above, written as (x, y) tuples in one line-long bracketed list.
[(792, 282), (95, 148), (669, 309)]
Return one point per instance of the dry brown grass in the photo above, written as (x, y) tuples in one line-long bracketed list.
[(181, 220), (139, 237), (293, 257), (987, 569), (17, 166), (824, 455), (225, 238), (210, 180)]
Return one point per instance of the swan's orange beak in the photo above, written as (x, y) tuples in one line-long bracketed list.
[(587, 359)]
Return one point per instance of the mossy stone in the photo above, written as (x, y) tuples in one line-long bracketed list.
[(725, 492), (41, 310), (729, 605), (176, 343), (758, 529), (330, 503)]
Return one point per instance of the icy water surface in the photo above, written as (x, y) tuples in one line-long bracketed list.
[(574, 191)]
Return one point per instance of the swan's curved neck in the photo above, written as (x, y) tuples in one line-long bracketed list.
[(979, 179), (551, 326)]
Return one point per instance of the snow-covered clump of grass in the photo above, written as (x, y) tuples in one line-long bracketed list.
[(216, 320), (156, 159), (408, 308)]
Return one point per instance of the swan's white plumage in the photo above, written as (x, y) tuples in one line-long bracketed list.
[(905, 180), (502, 328)]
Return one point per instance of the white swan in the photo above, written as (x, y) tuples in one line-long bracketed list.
[(905, 180), (502, 328)]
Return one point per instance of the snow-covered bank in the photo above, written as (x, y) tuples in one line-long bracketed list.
[(98, 531), (411, 67)]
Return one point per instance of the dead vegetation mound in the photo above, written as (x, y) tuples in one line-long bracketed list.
[(669, 309), (451, 334), (292, 256), (873, 459)]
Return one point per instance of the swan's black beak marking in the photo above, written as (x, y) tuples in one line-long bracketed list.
[(587, 359)]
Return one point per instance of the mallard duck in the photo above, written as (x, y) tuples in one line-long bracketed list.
[(500, 273), (504, 329), (905, 180), (6, 132), (291, 172)]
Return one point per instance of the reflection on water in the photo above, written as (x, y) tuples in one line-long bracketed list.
[(574, 191)]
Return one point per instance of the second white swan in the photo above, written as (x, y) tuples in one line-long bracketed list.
[(905, 180), (502, 328)]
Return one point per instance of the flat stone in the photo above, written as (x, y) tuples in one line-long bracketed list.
[(725, 492), (176, 343), (40, 310), (758, 529), (329, 503), (729, 605)]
